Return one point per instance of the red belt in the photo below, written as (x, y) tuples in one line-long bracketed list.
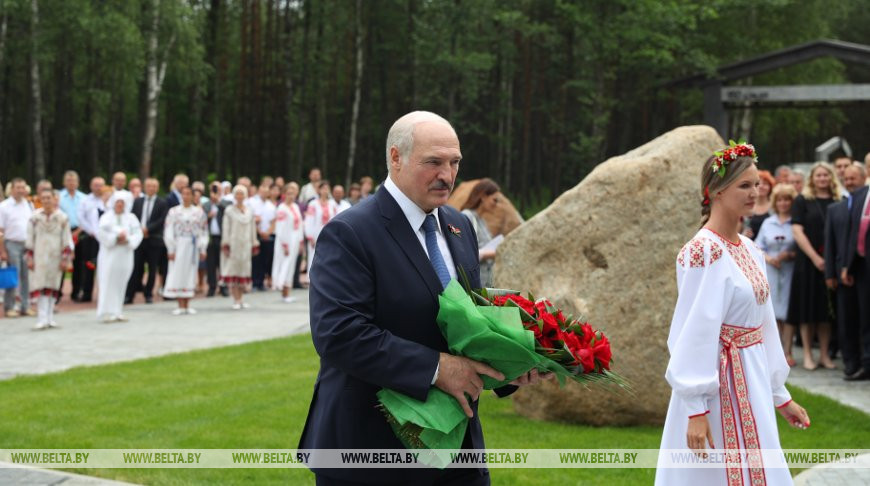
[(733, 338)]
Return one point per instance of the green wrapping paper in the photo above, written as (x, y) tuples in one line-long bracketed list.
[(492, 335)]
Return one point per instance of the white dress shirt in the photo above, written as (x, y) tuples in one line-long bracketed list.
[(14, 216), (415, 216), (89, 216)]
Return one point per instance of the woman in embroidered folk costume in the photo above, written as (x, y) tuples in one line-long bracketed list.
[(238, 244), (119, 234), (289, 238), (186, 239), (319, 212), (727, 369), (49, 253)]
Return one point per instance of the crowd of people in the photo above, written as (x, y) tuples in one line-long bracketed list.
[(124, 238), (812, 230)]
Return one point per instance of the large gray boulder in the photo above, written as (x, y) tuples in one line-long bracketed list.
[(606, 249)]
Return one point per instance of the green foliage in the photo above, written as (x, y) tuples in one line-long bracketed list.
[(540, 91)]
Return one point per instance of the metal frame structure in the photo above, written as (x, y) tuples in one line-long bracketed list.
[(718, 97)]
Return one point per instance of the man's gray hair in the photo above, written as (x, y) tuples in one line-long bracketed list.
[(71, 173), (401, 134)]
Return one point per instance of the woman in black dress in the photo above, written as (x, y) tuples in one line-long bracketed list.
[(808, 303)]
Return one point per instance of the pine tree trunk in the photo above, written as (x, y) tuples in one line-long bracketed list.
[(35, 96), (351, 152)]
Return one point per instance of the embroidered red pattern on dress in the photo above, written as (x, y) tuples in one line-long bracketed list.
[(733, 338), (750, 269), (694, 251)]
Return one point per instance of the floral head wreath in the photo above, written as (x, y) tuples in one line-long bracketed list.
[(724, 157), (730, 154)]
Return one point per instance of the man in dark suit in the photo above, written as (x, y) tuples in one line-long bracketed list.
[(179, 182), (375, 280), (836, 242), (151, 211), (214, 209), (856, 271)]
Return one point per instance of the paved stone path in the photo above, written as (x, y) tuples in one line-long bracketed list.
[(12, 474), (152, 331), (831, 384)]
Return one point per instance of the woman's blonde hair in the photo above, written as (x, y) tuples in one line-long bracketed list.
[(784, 190), (711, 183), (809, 191)]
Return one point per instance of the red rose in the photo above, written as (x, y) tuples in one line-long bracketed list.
[(602, 352), (526, 304), (586, 358), (551, 327), (588, 333)]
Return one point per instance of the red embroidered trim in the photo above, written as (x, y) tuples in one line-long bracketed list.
[(49, 292), (784, 404), (750, 269), (733, 338), (699, 414), (725, 239), (694, 251), (236, 280)]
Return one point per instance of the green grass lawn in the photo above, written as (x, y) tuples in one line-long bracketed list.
[(255, 396)]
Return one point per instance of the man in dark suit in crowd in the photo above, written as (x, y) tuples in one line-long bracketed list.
[(836, 242), (856, 271), (151, 211), (375, 281), (214, 209), (179, 182)]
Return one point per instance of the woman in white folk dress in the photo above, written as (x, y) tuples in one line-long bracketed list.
[(186, 239), (320, 211), (239, 243), (49, 253), (726, 369), (119, 235), (289, 238)]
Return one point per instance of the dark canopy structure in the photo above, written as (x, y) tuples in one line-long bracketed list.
[(718, 97)]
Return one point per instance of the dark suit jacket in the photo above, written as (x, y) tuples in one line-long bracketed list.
[(157, 219), (172, 200), (373, 303), (854, 225), (836, 238)]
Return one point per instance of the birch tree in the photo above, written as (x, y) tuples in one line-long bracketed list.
[(155, 73)]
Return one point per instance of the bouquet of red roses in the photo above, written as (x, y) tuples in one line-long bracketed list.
[(510, 333)]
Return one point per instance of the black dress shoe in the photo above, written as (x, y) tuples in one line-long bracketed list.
[(861, 374), (149, 300), (225, 292), (128, 301), (76, 298)]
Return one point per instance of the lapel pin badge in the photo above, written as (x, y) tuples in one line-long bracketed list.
[(456, 231)]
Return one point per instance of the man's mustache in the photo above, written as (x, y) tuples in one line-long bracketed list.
[(441, 185)]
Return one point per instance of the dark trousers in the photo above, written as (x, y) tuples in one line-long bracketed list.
[(862, 288), (261, 263), (76, 274), (213, 262), (152, 253), (848, 328), (86, 252)]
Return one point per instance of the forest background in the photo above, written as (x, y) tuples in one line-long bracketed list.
[(540, 91)]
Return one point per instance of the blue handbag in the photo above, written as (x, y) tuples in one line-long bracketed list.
[(8, 278)]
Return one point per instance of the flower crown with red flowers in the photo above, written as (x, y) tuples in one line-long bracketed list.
[(730, 154)]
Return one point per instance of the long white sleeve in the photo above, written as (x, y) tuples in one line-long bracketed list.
[(776, 362), (201, 231), (704, 294), (134, 230), (107, 233), (169, 230)]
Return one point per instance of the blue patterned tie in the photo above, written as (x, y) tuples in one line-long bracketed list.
[(435, 257)]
